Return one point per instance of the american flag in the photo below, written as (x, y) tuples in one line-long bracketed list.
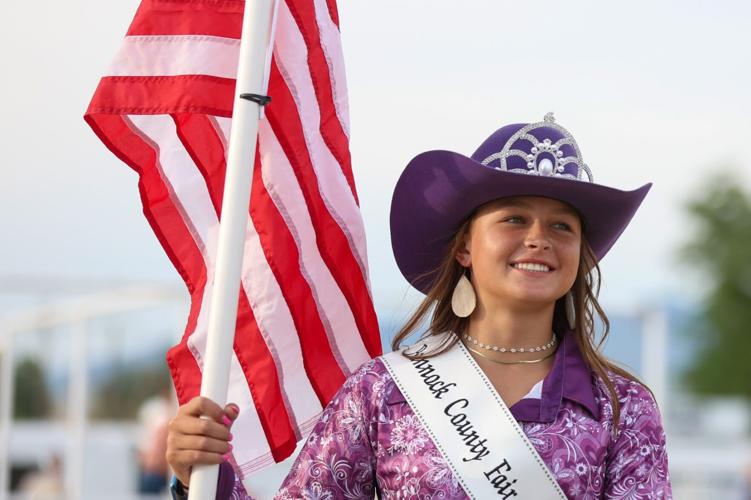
[(305, 317)]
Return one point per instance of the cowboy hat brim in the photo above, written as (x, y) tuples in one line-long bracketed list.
[(438, 190)]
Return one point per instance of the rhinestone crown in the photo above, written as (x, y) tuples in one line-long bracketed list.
[(545, 158)]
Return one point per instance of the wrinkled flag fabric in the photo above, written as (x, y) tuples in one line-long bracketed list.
[(305, 317)]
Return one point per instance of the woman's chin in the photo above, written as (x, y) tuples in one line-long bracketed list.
[(528, 298)]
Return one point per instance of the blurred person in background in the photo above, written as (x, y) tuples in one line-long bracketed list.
[(153, 418), (47, 484)]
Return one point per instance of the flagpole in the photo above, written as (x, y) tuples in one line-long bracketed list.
[(255, 44)]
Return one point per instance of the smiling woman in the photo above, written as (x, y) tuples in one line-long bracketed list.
[(522, 242), (506, 393)]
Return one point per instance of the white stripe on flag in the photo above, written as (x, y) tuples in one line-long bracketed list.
[(171, 55), (291, 58), (332, 48), (280, 181), (274, 320), (182, 179)]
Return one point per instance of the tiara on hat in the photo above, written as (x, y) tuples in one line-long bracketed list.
[(545, 158)]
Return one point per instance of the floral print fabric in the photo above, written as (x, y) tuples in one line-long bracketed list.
[(368, 440)]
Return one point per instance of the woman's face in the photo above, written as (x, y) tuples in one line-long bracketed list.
[(523, 251)]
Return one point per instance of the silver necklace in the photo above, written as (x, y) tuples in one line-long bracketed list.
[(514, 350)]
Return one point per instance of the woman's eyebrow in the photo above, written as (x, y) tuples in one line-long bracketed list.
[(567, 211)]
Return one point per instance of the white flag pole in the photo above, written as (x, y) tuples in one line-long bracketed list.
[(251, 79)]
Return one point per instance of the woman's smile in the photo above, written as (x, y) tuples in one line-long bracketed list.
[(532, 266), (533, 270)]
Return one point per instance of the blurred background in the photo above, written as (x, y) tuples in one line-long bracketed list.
[(89, 303)]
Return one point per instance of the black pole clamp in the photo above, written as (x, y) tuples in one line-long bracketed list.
[(261, 100)]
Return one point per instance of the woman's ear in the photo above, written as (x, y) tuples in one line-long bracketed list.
[(463, 255)]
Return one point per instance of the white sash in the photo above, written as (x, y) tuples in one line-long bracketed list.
[(471, 426)]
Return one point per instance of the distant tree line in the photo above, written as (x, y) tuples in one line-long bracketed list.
[(32, 397), (121, 395), (117, 397), (721, 250)]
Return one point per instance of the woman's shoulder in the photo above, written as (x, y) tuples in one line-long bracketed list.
[(372, 381), (368, 372), (638, 407), (626, 387)]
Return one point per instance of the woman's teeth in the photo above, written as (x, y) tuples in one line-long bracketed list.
[(528, 266)]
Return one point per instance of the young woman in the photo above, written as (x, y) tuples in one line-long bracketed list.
[(505, 244)]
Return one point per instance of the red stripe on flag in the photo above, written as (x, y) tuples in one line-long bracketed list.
[(157, 95), (168, 225), (280, 249), (199, 136), (331, 241), (331, 128), (201, 139), (333, 11), (283, 257), (260, 372), (188, 17), (186, 374)]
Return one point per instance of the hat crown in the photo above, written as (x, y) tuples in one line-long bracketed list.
[(543, 148)]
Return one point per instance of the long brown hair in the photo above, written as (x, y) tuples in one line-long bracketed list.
[(585, 290)]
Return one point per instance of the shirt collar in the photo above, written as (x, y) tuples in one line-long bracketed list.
[(570, 378)]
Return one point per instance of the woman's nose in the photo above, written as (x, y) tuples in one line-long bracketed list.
[(537, 237)]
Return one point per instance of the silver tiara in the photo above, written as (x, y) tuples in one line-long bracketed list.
[(545, 166)]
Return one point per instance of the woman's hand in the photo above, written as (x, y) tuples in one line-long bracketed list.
[(193, 440)]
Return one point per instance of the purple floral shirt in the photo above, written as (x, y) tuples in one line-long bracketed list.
[(368, 440)]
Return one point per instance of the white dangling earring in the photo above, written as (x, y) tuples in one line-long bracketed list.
[(463, 300), (570, 310)]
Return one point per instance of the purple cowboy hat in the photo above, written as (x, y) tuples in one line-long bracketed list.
[(439, 190)]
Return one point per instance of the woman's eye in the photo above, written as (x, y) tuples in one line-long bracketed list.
[(564, 226), (514, 218)]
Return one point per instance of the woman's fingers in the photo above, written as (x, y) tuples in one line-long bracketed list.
[(181, 442), (232, 411), (198, 435), (202, 407), (199, 427)]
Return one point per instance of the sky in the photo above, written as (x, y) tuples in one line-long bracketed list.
[(652, 91)]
